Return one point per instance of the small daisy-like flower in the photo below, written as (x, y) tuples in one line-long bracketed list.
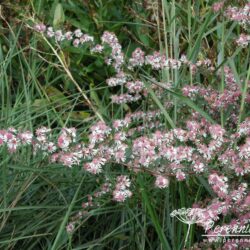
[(161, 182)]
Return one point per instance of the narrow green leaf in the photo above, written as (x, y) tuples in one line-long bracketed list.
[(157, 101), (206, 185), (59, 17), (153, 215), (65, 219), (182, 98)]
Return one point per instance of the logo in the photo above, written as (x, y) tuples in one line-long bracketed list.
[(192, 216)]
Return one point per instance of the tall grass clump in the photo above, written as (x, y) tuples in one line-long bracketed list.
[(125, 125)]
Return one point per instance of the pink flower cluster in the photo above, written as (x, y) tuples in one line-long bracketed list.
[(243, 40), (77, 36), (122, 192), (135, 86), (218, 6), (116, 58), (137, 59), (125, 98), (230, 97), (244, 128), (241, 16), (219, 185), (177, 152), (13, 140), (119, 79), (158, 61), (116, 49)]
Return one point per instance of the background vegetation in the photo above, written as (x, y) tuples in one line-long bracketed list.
[(38, 198)]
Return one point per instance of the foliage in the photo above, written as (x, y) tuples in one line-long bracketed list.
[(160, 102)]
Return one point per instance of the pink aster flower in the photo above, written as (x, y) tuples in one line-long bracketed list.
[(161, 182)]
